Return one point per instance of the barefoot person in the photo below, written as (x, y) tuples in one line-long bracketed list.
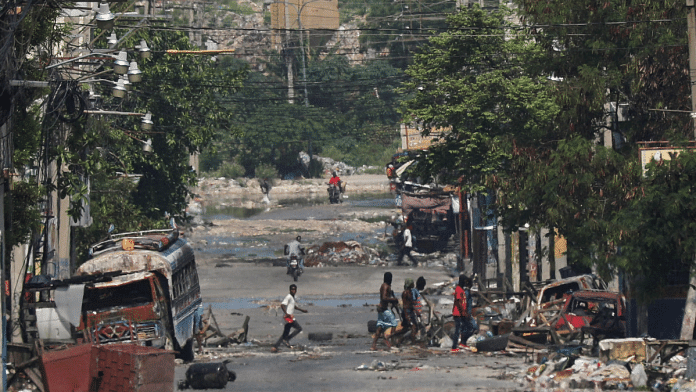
[(386, 321), (409, 316), (289, 305)]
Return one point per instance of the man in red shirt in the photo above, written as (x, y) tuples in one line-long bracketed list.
[(461, 314), (335, 179)]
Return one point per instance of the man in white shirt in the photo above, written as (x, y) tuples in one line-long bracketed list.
[(294, 248), (289, 305), (406, 249)]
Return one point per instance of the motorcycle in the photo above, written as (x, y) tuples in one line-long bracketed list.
[(294, 267), (335, 193)]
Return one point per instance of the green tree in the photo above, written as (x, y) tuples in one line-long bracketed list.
[(472, 82), (351, 114), (599, 54), (182, 93), (656, 239), (525, 114)]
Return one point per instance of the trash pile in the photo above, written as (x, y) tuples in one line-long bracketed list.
[(327, 164), (335, 253)]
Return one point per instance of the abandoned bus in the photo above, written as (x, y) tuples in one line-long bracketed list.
[(137, 288), (154, 296)]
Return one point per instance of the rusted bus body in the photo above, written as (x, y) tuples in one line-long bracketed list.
[(153, 298), (128, 308)]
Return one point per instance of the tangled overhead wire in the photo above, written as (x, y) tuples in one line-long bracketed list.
[(66, 102)]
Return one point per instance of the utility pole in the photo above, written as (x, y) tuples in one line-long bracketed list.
[(687, 330), (288, 57)]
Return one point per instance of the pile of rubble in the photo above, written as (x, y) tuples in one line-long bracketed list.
[(329, 165), (566, 369), (572, 332), (334, 253)]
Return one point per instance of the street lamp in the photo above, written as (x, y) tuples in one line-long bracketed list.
[(119, 90), (145, 52), (121, 63), (105, 19), (135, 75), (146, 123), (112, 40)]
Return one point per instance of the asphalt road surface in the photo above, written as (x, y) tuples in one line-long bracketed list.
[(340, 300)]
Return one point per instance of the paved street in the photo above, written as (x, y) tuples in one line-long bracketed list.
[(340, 300)]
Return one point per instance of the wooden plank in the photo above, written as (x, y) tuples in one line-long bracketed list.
[(520, 340), (652, 357), (35, 377)]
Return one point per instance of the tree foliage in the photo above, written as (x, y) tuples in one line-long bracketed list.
[(471, 83), (350, 112), (656, 230), (527, 115)]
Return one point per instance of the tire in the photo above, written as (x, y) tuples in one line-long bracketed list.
[(186, 353), (372, 326), (295, 275), (495, 343), (320, 336)]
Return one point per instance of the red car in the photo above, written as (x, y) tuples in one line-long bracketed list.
[(598, 313)]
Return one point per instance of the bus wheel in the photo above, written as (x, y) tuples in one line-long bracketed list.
[(187, 351)]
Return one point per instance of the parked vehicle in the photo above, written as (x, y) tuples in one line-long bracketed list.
[(139, 287)]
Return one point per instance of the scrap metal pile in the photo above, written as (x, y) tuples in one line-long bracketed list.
[(573, 334)]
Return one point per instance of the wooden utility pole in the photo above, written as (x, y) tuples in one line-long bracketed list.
[(687, 330)]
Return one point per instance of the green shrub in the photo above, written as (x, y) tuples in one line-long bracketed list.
[(231, 170), (265, 170), (316, 169)]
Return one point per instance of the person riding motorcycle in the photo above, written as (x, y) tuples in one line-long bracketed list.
[(293, 248), (335, 180), (335, 183)]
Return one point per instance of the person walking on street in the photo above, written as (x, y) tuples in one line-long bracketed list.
[(386, 321), (289, 305), (418, 301), (409, 316), (461, 312), (407, 248)]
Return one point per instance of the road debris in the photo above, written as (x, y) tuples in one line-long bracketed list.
[(334, 253), (207, 375), (210, 334)]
